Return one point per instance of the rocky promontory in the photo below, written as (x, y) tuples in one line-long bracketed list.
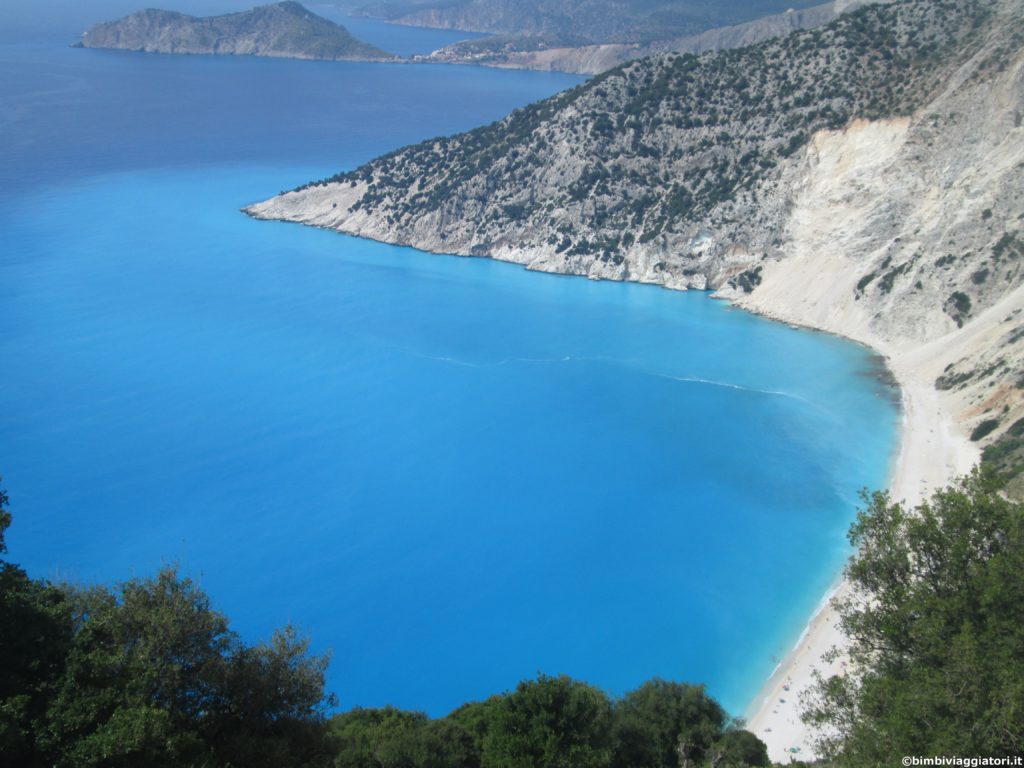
[(284, 30)]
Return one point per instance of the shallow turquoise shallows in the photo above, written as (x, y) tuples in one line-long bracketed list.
[(451, 472)]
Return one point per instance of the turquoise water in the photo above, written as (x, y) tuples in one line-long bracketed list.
[(451, 472)]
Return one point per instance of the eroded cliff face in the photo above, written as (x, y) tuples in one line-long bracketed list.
[(908, 234), (905, 232)]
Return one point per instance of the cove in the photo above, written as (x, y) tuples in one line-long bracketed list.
[(451, 472)]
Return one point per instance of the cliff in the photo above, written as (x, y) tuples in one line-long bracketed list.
[(866, 177), (285, 30)]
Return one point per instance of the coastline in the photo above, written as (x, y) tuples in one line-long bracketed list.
[(932, 452)]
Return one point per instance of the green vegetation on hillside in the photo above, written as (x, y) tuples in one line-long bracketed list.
[(571, 21), (936, 620), (666, 144), (1005, 456)]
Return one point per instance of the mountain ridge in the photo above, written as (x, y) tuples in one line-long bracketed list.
[(520, 52), (586, 21)]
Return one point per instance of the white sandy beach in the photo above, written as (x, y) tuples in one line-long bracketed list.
[(933, 451)]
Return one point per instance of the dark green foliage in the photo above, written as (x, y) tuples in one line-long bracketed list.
[(951, 378), (662, 722), (936, 623), (985, 428), (553, 722), (958, 306), (370, 738), (738, 747), (1005, 456), (865, 281), (366, 738), (748, 280), (35, 634), (887, 280), (147, 675), (1009, 246), (155, 677)]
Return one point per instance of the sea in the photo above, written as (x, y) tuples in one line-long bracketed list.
[(450, 474)]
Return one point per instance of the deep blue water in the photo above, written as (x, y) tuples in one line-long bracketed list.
[(451, 472)]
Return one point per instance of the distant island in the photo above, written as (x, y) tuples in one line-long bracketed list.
[(283, 30)]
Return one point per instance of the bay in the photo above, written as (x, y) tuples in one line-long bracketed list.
[(450, 472)]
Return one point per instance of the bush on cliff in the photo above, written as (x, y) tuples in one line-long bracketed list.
[(936, 623)]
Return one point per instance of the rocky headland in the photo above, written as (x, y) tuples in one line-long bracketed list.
[(286, 30)]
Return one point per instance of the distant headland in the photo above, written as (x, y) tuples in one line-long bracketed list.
[(284, 30)]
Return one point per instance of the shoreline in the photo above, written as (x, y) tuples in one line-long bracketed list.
[(932, 452)]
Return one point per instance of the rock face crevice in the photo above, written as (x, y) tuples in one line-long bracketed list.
[(866, 178)]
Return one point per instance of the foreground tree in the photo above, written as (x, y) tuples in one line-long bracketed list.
[(148, 674), (35, 635), (154, 676), (550, 722), (663, 724), (936, 624)]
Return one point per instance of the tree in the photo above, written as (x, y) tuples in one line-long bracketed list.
[(550, 722), (155, 677), (5, 518), (663, 724), (378, 738), (35, 633), (739, 748), (936, 626), (271, 705)]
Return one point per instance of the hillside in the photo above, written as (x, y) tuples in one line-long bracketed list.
[(551, 53), (582, 21), (864, 177), (284, 29)]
